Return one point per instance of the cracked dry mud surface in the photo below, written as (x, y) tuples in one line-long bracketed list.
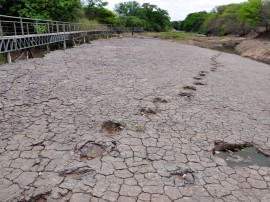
[(52, 110)]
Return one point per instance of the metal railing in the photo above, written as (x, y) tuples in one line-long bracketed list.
[(23, 33), (16, 26)]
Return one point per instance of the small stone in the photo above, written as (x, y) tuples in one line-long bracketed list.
[(189, 178)]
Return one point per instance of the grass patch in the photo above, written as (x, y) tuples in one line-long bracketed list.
[(183, 36), (172, 35), (2, 59), (138, 128)]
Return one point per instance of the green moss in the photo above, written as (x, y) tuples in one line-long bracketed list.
[(2, 59)]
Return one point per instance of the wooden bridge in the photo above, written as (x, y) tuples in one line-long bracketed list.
[(23, 33)]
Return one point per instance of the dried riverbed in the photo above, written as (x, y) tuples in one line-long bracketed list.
[(132, 120)]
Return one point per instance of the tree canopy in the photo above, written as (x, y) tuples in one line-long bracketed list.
[(237, 19), (130, 8), (194, 21), (234, 18), (95, 10), (62, 10), (150, 16)]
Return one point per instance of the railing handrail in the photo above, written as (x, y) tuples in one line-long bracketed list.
[(45, 21), (33, 19), (27, 26)]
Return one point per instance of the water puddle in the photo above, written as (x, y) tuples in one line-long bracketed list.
[(217, 46), (241, 155), (225, 49)]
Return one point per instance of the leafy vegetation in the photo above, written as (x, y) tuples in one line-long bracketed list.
[(147, 15), (194, 22), (62, 10), (95, 10), (128, 14), (238, 19)]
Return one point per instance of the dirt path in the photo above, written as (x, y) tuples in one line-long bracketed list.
[(132, 120)]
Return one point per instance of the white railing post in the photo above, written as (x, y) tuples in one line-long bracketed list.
[(14, 26), (37, 27), (27, 27), (9, 59), (21, 22), (1, 30), (48, 27)]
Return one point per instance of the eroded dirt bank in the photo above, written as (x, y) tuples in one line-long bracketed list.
[(132, 120), (256, 49)]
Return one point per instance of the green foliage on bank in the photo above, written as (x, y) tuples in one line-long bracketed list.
[(237, 19), (61, 10), (151, 17), (127, 14)]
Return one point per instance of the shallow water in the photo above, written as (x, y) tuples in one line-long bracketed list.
[(226, 49), (217, 47), (243, 158)]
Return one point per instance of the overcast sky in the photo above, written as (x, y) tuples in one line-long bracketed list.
[(179, 9)]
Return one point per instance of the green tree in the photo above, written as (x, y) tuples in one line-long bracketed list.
[(264, 15), (223, 20), (212, 24), (95, 11), (62, 10), (194, 21), (249, 12), (130, 8), (131, 21), (97, 3), (157, 19), (177, 25), (152, 17)]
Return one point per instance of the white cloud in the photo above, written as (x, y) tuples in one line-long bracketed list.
[(179, 9)]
